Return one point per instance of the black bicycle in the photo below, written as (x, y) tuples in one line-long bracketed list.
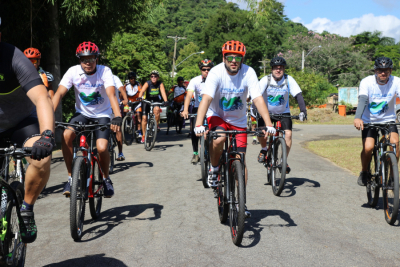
[(130, 125), (384, 173), (112, 143), (204, 157), (174, 119), (276, 158), (151, 126), (12, 249)]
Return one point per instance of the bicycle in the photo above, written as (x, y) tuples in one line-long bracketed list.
[(276, 165), (248, 116), (151, 126), (87, 177), (12, 249), (174, 119), (204, 157), (16, 167), (231, 188), (129, 125), (112, 143), (384, 173)]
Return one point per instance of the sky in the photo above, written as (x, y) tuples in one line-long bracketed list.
[(344, 17)]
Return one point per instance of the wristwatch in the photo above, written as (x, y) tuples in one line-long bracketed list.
[(48, 133)]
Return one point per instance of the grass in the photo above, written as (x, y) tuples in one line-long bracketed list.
[(323, 116)]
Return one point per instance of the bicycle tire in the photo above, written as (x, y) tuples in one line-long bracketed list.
[(390, 188), (279, 166), (151, 135), (111, 150), (203, 162), (77, 201), (96, 201), (372, 187), (127, 131), (268, 166), (236, 210), (223, 206), (169, 122)]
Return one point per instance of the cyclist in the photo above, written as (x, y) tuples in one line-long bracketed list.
[(95, 100), (133, 89), (376, 104), (195, 87), (153, 90), (21, 93), (118, 134), (178, 93), (275, 89), (34, 56), (223, 100)]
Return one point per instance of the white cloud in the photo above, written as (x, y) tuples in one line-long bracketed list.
[(298, 20), (389, 25)]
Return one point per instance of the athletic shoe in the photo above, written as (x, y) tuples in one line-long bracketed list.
[(254, 142), (108, 188), (288, 169), (142, 141), (67, 189), (363, 178), (29, 234), (213, 178), (246, 212), (121, 157), (261, 157), (140, 133), (195, 159)]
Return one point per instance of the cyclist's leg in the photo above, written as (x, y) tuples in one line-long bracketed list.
[(102, 146), (368, 141), (156, 111), (216, 124), (195, 139), (394, 139), (138, 114), (146, 110), (287, 126), (263, 143)]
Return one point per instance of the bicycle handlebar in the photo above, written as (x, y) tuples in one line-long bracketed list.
[(23, 152), (153, 103), (65, 125), (281, 116)]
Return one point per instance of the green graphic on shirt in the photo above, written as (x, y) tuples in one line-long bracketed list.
[(230, 105), (92, 99), (155, 91)]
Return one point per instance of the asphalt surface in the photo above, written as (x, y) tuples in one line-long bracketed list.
[(162, 216)]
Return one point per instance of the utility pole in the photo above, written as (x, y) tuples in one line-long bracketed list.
[(176, 38), (264, 62)]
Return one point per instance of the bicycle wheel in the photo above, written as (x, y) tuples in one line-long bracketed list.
[(128, 133), (203, 162), (97, 199), (373, 183), (77, 200), (236, 209), (169, 121), (223, 206), (151, 135), (390, 188), (279, 166), (111, 150)]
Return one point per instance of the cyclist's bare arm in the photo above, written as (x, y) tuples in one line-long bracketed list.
[(163, 94), (44, 107), (124, 95), (51, 91), (185, 112), (203, 107), (144, 89), (263, 111), (61, 92)]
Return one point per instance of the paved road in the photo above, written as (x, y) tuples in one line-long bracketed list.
[(162, 216)]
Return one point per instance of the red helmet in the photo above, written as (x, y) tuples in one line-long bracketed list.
[(234, 47), (32, 53), (206, 63), (87, 49)]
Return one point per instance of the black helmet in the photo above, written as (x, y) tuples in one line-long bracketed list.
[(383, 63), (278, 61), (206, 63), (180, 79), (131, 75)]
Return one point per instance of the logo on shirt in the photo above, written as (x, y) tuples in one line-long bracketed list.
[(378, 108), (154, 91), (92, 99), (2, 77), (276, 101), (232, 104)]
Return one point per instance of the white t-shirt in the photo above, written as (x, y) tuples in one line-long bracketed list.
[(382, 99), (132, 90), (118, 84), (229, 93), (277, 95), (196, 85), (90, 90), (179, 91)]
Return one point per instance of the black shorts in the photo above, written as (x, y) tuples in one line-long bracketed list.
[(103, 120), (146, 108), (372, 132), (27, 128), (285, 122)]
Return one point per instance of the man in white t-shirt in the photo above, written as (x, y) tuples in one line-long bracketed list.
[(376, 104), (119, 90), (95, 100), (133, 88), (224, 101), (276, 88), (195, 88)]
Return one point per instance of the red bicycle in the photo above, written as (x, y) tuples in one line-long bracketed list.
[(87, 176)]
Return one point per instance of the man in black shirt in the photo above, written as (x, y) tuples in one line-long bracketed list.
[(21, 90)]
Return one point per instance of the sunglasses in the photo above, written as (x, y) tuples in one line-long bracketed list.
[(88, 60), (230, 58), (205, 69), (383, 71), (153, 76), (34, 61)]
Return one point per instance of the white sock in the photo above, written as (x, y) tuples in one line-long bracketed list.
[(214, 168), (265, 148), (104, 178), (69, 179)]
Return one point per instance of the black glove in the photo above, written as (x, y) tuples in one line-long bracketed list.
[(139, 99), (166, 103), (117, 121), (42, 148)]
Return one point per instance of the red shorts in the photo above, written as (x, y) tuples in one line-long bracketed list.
[(216, 123)]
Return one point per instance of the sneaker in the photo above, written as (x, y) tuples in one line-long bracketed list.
[(121, 157), (142, 141), (29, 234), (363, 178), (213, 178), (158, 129), (254, 142), (247, 212), (288, 169), (67, 189), (194, 159), (261, 157), (139, 133), (108, 188)]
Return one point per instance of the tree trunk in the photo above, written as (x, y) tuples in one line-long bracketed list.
[(54, 58)]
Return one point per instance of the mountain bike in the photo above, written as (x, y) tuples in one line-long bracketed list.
[(174, 119), (129, 125), (87, 176), (16, 167), (204, 157), (151, 126), (276, 158), (112, 143), (384, 172), (12, 249), (248, 116), (231, 188)]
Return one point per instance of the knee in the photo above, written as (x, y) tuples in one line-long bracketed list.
[(42, 165), (68, 136), (102, 146), (288, 135)]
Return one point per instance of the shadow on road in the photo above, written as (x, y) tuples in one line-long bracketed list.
[(96, 260), (113, 217), (379, 207), (55, 189), (164, 147), (56, 160), (291, 185), (124, 165), (253, 225)]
